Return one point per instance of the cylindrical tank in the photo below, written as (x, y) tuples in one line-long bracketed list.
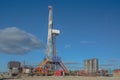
[(86, 66), (95, 65), (90, 66)]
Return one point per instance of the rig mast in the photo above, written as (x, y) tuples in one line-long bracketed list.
[(51, 62)]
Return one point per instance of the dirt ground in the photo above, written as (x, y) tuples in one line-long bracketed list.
[(66, 78)]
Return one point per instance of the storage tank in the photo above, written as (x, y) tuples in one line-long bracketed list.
[(95, 65), (90, 66), (86, 66)]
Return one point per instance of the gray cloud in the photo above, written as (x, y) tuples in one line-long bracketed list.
[(16, 41)]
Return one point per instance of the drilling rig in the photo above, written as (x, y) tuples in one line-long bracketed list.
[(52, 62)]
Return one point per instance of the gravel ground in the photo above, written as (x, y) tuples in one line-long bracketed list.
[(66, 78)]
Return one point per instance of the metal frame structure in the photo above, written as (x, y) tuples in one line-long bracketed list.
[(52, 62)]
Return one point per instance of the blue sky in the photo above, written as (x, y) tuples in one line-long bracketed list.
[(89, 28)]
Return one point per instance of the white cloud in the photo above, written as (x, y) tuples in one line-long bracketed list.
[(67, 46), (16, 41), (84, 42)]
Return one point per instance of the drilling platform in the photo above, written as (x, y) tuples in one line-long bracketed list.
[(52, 62)]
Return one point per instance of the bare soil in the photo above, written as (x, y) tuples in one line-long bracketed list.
[(66, 78)]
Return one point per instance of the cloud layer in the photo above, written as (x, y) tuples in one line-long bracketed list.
[(16, 41)]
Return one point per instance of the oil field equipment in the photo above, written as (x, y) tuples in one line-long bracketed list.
[(52, 62)]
